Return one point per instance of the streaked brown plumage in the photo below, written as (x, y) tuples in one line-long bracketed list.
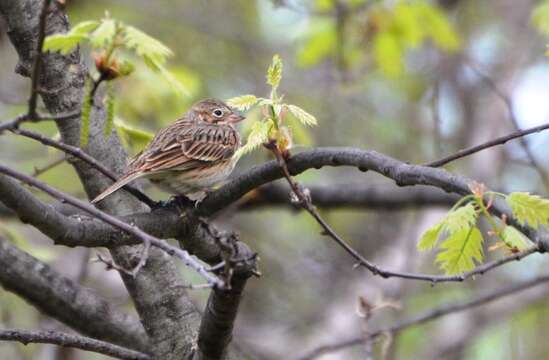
[(189, 156)]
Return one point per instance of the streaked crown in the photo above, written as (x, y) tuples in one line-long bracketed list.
[(215, 111)]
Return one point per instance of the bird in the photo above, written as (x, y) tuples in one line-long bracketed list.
[(190, 156)]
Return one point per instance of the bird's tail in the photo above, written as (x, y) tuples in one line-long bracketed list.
[(117, 185)]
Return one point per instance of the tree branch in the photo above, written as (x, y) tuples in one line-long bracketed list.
[(78, 229), (65, 300), (427, 316), (15, 123), (131, 229), (350, 195), (218, 318), (162, 225), (495, 142), (73, 341), (402, 173), (514, 121), (78, 153)]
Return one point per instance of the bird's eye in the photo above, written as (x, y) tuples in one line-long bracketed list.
[(218, 112)]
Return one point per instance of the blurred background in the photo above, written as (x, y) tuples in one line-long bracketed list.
[(415, 80)]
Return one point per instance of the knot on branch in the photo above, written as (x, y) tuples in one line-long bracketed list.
[(237, 258)]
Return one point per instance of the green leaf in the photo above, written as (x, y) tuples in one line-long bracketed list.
[(274, 73), (66, 42), (258, 135), (151, 50), (430, 237), (529, 209), (464, 217), (84, 27), (514, 239), (104, 34), (460, 251), (109, 100), (302, 115), (86, 111), (243, 102)]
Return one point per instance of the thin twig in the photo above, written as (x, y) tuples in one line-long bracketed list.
[(52, 164), (498, 141), (513, 118), (72, 341), (95, 86), (305, 202), (80, 154), (112, 265), (427, 316), (15, 123), (130, 229)]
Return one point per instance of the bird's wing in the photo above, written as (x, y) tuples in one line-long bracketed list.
[(187, 146), (182, 146)]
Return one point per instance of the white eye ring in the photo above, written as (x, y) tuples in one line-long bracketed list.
[(217, 113)]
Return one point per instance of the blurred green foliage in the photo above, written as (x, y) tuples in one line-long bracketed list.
[(385, 33)]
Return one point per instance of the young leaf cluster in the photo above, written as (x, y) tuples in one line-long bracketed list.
[(108, 37), (272, 126), (460, 241)]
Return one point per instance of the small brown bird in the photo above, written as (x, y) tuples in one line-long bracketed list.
[(191, 155)]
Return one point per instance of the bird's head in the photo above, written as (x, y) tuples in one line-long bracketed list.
[(215, 111)]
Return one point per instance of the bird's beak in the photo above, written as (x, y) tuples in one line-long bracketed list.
[(235, 117)]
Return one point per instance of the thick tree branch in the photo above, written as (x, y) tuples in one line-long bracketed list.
[(406, 174), (65, 300), (73, 341), (218, 318), (147, 239), (351, 195), (428, 316), (196, 236), (402, 173)]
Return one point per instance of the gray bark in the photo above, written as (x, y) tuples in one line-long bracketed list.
[(65, 300), (164, 310)]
